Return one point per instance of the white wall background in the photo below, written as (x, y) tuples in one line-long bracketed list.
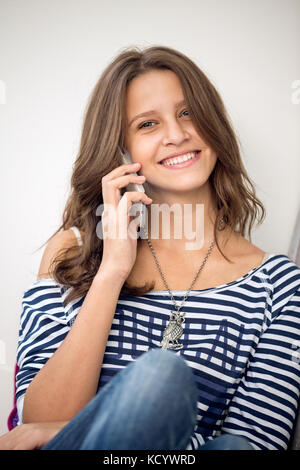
[(51, 55)]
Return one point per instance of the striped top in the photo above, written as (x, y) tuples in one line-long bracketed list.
[(241, 339)]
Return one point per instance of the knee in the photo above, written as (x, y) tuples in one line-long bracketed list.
[(163, 361), (166, 366)]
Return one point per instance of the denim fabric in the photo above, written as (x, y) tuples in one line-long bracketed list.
[(150, 404), (228, 442)]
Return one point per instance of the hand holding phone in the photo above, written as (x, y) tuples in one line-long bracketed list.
[(119, 252), (138, 206)]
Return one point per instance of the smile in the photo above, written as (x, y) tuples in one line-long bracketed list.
[(181, 162)]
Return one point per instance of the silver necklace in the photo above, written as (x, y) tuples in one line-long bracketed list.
[(173, 331)]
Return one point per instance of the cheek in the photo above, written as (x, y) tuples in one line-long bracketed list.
[(213, 158), (210, 155), (145, 148)]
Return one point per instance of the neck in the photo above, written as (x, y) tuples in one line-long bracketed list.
[(178, 222)]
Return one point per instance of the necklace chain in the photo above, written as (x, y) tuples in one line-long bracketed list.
[(194, 280), (174, 330)]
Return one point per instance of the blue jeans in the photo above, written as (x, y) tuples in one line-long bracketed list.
[(149, 405)]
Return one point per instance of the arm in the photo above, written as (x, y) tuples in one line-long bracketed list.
[(69, 379), (264, 406)]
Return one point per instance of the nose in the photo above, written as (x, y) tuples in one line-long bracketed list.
[(174, 133)]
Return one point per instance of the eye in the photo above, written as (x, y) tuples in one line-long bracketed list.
[(143, 125)]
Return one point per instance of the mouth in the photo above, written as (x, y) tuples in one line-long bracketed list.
[(181, 161)]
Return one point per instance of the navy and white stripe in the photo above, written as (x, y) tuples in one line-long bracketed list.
[(242, 340)]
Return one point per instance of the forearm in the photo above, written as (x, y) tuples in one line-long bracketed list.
[(69, 379)]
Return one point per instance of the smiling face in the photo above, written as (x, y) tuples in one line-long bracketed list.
[(159, 126)]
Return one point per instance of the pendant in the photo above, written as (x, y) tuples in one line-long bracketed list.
[(173, 331)]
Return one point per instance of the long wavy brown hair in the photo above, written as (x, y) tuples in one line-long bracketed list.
[(104, 131)]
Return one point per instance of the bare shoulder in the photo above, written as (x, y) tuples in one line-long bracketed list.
[(246, 251), (60, 241)]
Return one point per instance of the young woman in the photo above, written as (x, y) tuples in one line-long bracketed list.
[(138, 342)]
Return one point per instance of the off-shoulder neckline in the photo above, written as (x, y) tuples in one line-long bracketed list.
[(50, 281), (221, 286)]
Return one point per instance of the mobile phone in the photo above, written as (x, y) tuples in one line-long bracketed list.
[(137, 206)]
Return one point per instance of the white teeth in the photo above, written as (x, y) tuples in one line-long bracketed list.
[(184, 158)]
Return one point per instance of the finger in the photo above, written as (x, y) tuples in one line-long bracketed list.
[(125, 204), (121, 170), (131, 197), (111, 189)]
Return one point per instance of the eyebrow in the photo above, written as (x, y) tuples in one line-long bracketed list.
[(152, 111)]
